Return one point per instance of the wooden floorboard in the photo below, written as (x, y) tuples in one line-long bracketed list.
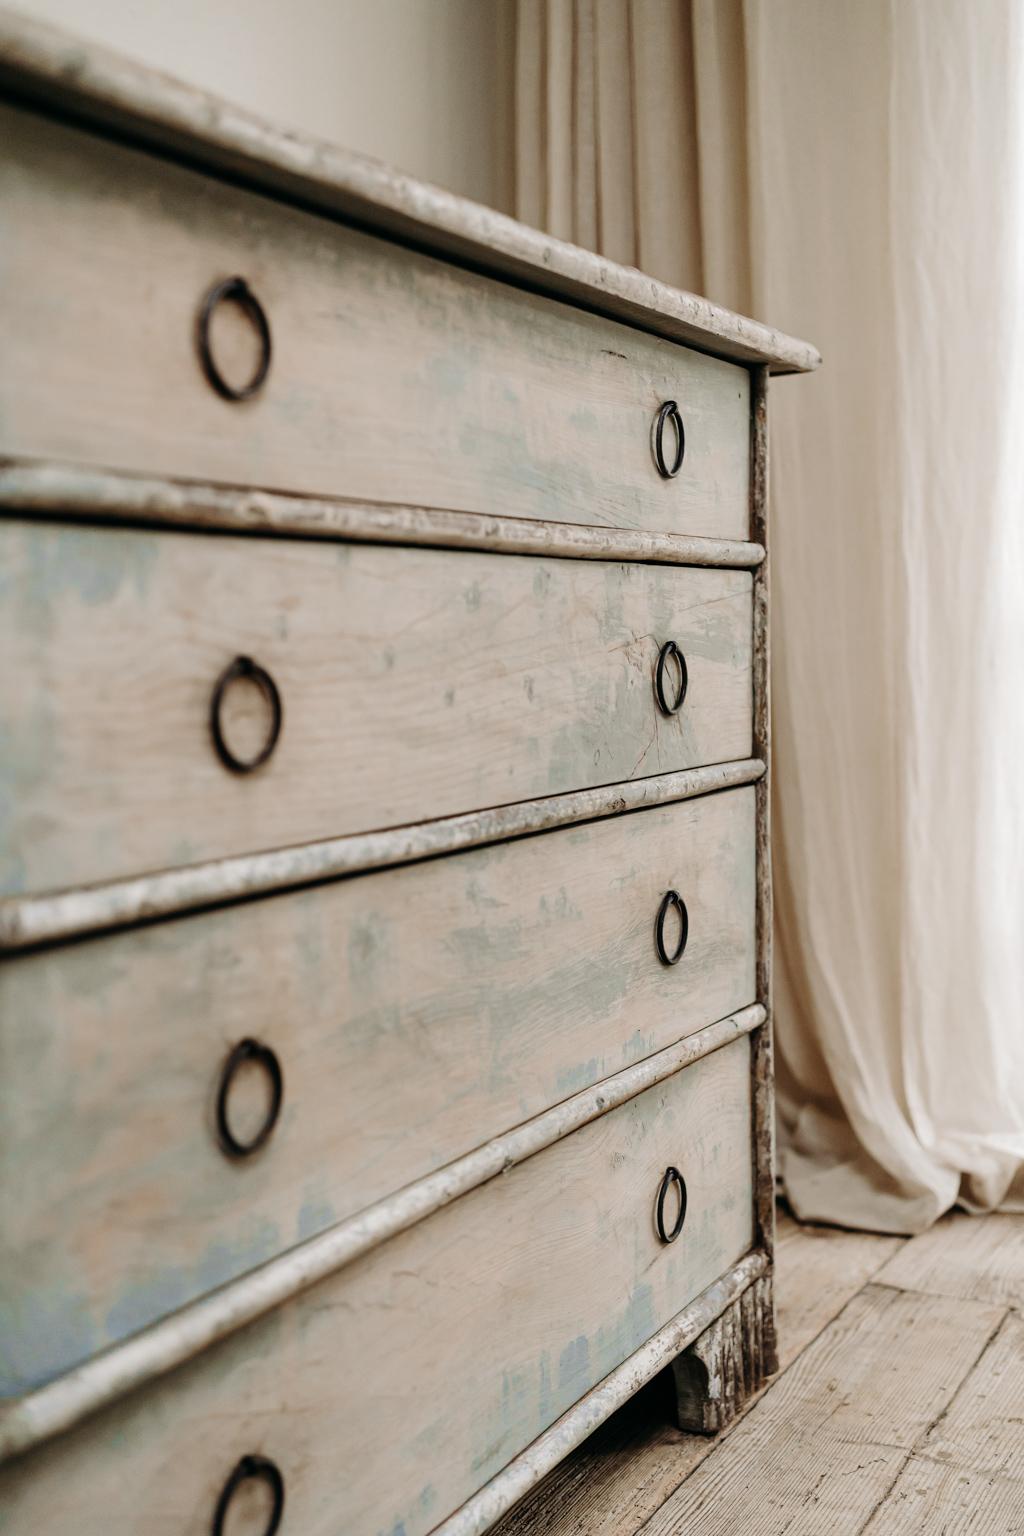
[(818, 1270), (825, 1445), (967, 1476), (933, 1500), (899, 1408), (980, 1258)]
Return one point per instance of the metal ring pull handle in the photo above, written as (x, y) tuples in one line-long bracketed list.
[(670, 900), (668, 651), (669, 412), (234, 290), (245, 667), (672, 1176), (262, 1055), (249, 1468)]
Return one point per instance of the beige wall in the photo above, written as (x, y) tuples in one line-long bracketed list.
[(424, 84)]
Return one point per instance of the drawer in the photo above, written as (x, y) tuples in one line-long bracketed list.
[(413, 684), (394, 376), (415, 1013), (389, 1393)]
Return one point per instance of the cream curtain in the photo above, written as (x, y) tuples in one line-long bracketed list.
[(853, 171)]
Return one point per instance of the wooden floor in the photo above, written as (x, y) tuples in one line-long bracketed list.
[(899, 1408)]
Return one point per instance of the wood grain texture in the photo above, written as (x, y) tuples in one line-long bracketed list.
[(395, 377), (479, 1513), (762, 1059), (549, 1278), (818, 1270), (981, 1430), (45, 65), (827, 1442), (414, 685), (933, 1500), (66, 491), (52, 1409), (415, 1012), (961, 1255), (615, 1482), (26, 922), (718, 1375), (967, 1476)]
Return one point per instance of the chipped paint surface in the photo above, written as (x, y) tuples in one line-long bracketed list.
[(538, 1323), (518, 454), (502, 678), (415, 1012), (104, 86), (502, 402)]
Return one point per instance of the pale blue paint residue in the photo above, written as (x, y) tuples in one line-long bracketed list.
[(44, 1333), (144, 1301), (223, 1261), (574, 1366), (572, 1079), (315, 1216), (585, 420), (636, 1048), (148, 1299), (448, 375), (545, 1401), (93, 565)]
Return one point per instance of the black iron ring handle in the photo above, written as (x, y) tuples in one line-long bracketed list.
[(669, 412), (265, 1471), (668, 901), (667, 652), (248, 1050), (244, 666), (672, 1176), (234, 290)]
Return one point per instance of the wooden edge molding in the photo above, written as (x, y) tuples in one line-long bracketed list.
[(40, 63), (49, 1410), (33, 487), (761, 1061), (479, 1513), (27, 921)]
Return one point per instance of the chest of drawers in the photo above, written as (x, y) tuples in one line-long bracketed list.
[(385, 1066)]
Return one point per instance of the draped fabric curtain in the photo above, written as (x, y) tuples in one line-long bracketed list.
[(853, 171)]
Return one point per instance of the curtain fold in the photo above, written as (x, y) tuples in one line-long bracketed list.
[(853, 173)]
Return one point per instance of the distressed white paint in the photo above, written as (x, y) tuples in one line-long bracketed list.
[(415, 1012), (395, 377), (28, 921), (46, 65), (542, 424), (413, 686), (55, 1407), (72, 491), (548, 1278)]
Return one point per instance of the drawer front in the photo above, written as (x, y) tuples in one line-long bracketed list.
[(415, 1013), (388, 1395), (394, 376), (413, 684)]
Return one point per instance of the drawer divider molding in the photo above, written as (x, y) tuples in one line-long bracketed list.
[(40, 63), (28, 921), (70, 491), (479, 1513), (49, 1410)]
